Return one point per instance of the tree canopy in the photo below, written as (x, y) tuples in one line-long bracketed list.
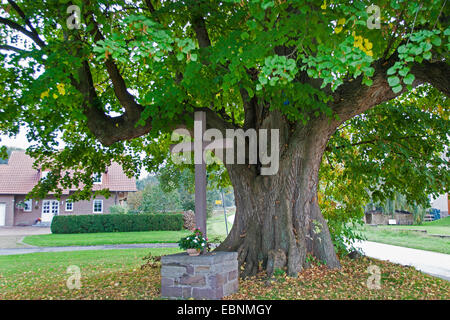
[(139, 67)]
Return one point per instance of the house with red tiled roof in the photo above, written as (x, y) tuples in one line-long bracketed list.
[(18, 177)]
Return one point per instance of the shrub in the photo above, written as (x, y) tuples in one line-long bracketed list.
[(118, 209), (116, 223), (189, 220)]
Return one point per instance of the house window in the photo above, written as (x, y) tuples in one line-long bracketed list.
[(50, 207), (69, 205), (97, 178), (55, 207), (98, 206), (46, 206), (28, 205)]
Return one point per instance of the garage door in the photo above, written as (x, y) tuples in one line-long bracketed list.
[(2, 214)]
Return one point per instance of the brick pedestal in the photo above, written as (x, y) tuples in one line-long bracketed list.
[(213, 275)]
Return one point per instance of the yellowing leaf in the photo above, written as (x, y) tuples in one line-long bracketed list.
[(368, 44), (61, 89), (44, 94)]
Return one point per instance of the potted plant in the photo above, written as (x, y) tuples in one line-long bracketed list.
[(193, 243)]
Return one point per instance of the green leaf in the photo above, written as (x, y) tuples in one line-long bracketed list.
[(391, 71), (397, 89), (402, 49), (409, 79), (404, 71), (367, 81), (250, 92), (312, 73), (417, 50), (436, 41), (263, 80), (267, 4), (393, 81), (244, 35), (426, 46)]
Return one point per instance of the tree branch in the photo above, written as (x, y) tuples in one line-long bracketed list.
[(435, 73), (127, 100), (17, 27), (198, 23), (372, 141), (150, 6), (11, 48), (353, 97), (105, 128), (27, 21)]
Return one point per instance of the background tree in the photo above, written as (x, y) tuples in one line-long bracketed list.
[(154, 199), (134, 200), (380, 159), (115, 88)]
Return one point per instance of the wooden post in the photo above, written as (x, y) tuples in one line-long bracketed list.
[(199, 146), (200, 172)]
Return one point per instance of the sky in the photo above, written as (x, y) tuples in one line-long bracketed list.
[(20, 141)]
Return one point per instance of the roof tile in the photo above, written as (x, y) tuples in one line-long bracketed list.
[(19, 176)]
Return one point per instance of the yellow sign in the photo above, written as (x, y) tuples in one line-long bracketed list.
[(218, 201)]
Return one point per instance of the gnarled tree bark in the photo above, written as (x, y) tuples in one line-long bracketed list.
[(278, 221)]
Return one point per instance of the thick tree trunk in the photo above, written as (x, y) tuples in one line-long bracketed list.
[(278, 221)]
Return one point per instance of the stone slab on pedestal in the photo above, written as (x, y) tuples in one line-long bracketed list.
[(213, 275)]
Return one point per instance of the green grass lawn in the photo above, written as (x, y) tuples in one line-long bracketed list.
[(405, 236), (441, 226), (103, 275), (118, 274), (441, 222), (90, 239), (215, 227)]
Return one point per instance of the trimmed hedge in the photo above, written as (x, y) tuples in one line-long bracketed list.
[(93, 223)]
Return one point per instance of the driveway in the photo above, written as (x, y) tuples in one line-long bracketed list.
[(11, 237), (434, 263)]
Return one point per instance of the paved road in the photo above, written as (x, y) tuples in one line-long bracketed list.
[(13, 251), (11, 237), (433, 263), (23, 231)]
